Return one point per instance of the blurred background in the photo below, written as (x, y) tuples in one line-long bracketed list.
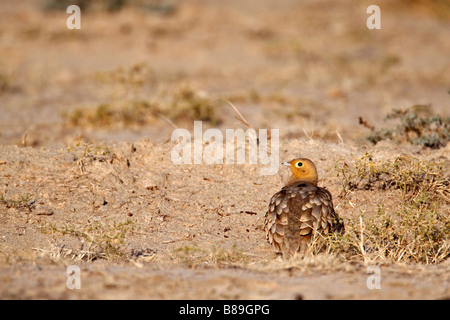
[(141, 68)]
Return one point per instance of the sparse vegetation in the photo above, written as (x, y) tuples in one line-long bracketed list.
[(88, 151), (432, 131), (117, 115), (185, 103), (406, 173), (411, 233), (415, 231), (61, 252), (130, 78), (99, 240), (21, 202)]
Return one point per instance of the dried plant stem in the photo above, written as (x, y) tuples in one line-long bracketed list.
[(361, 242), (242, 119)]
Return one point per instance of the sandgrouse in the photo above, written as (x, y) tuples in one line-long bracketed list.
[(300, 210)]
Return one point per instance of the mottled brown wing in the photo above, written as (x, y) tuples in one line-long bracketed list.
[(297, 212), (276, 219)]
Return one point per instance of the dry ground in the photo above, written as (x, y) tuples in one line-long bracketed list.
[(95, 186)]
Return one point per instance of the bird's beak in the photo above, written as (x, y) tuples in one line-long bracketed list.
[(286, 163)]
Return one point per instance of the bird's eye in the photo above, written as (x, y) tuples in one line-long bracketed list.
[(299, 164)]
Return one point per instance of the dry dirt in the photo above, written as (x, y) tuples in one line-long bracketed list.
[(110, 200)]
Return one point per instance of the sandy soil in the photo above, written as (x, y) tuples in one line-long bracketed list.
[(139, 226)]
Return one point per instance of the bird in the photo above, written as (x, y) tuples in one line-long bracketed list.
[(300, 211)]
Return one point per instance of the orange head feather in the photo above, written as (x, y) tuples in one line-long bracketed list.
[(302, 170)]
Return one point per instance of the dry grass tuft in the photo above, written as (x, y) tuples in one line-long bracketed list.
[(407, 173), (86, 152), (415, 231), (60, 252), (112, 114), (20, 202), (183, 104), (187, 103), (99, 240)]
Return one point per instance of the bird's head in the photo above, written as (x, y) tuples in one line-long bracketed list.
[(302, 170)]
